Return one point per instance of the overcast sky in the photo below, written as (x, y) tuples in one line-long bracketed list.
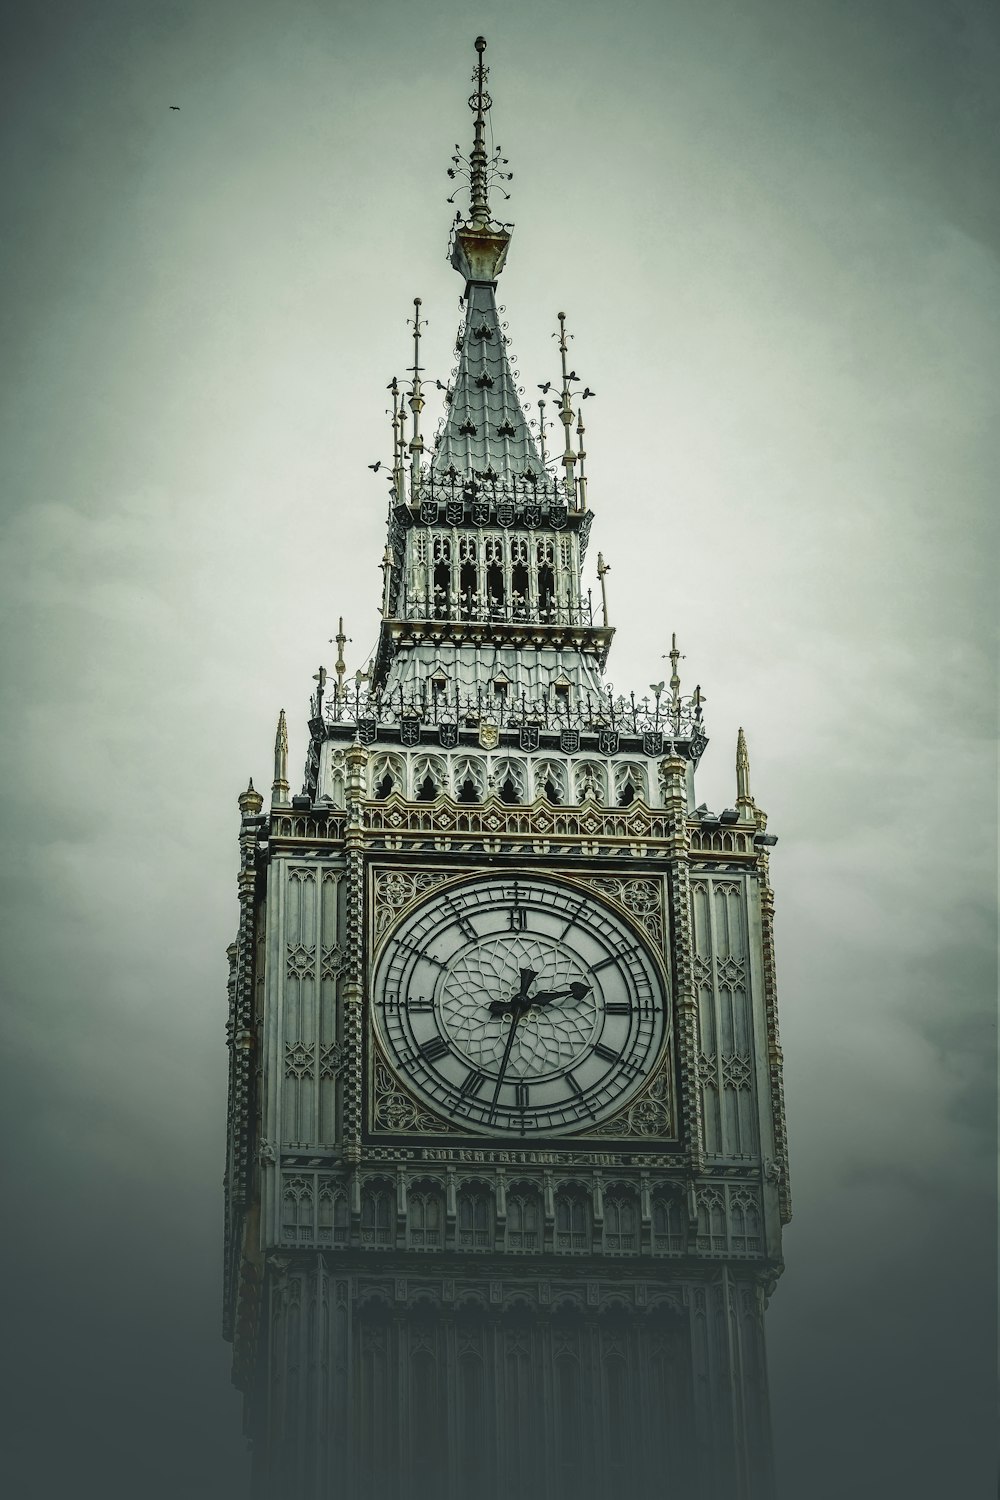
[(773, 225)]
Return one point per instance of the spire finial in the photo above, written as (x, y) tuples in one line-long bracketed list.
[(416, 401), (279, 786), (675, 680), (603, 569), (565, 407), (479, 246), (744, 800), (479, 103), (250, 801), (340, 666)]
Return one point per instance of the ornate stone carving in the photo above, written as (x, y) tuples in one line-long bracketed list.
[(299, 1058), (737, 1070), (301, 961), (731, 973), (398, 1112), (649, 1115), (331, 1060), (642, 898), (394, 890), (333, 964)]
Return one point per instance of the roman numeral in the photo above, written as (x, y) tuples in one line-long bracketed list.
[(418, 1004), (421, 953), (464, 924), (596, 968), (473, 1084), (573, 918), (521, 1095), (608, 1053), (432, 1050), (572, 1085), (517, 919), (618, 1008)]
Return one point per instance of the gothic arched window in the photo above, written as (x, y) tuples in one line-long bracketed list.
[(524, 1217), (297, 1209), (572, 1220), (630, 782), (425, 1217), (475, 1218), (378, 1207), (668, 1227), (334, 1219), (712, 1222), (621, 1222), (745, 1224)]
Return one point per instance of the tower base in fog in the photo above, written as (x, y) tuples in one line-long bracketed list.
[(410, 1381)]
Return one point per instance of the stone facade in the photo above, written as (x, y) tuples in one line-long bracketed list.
[(419, 1307)]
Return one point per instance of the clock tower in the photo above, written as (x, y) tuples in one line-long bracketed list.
[(506, 1170)]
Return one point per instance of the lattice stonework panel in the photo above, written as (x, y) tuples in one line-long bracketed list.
[(725, 1015), (313, 960)]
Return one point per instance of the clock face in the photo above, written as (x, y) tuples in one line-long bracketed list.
[(520, 1006)]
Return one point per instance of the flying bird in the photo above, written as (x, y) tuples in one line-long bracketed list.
[(175, 106), (375, 467)]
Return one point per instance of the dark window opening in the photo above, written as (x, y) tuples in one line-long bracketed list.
[(546, 589), (385, 787), (468, 791), (467, 584), (494, 585), (552, 791), (442, 585), (519, 589), (627, 795), (508, 791), (427, 791)]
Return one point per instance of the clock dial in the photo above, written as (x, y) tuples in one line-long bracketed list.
[(519, 1006)]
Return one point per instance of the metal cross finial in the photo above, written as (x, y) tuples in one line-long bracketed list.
[(416, 398), (675, 681), (340, 666), (603, 569), (565, 408)]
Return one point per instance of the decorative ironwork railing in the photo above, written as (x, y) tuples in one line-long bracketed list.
[(529, 488), (662, 716), (484, 609)]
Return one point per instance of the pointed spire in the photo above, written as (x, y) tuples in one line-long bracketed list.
[(603, 569), (279, 786), (415, 400), (744, 800), (479, 104), (340, 666)]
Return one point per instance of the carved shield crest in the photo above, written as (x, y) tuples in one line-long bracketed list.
[(428, 512), (569, 741), (367, 730), (505, 513), (448, 736), (489, 735), (480, 513), (607, 741), (557, 516), (532, 515), (528, 738), (455, 512), (409, 731), (652, 742)]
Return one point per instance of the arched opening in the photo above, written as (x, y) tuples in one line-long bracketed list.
[(427, 790), (468, 791), (519, 590), (627, 795), (508, 791), (494, 586), (552, 792), (385, 787), (468, 578), (546, 591)]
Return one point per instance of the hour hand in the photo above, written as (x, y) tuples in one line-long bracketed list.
[(575, 991), (519, 1001)]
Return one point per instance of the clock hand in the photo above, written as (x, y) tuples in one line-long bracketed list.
[(545, 997), (519, 1002), (517, 1006)]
